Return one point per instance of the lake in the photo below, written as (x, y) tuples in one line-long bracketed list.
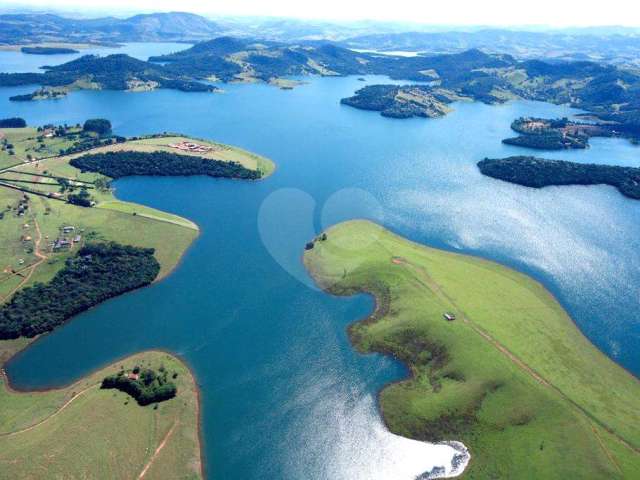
[(16, 61), (284, 395)]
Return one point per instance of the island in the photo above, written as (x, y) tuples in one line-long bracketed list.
[(493, 359), (538, 172), (40, 50), (67, 244), (559, 133), (111, 72), (84, 430), (402, 101), (607, 92)]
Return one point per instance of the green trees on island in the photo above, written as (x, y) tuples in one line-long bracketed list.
[(539, 172), (128, 163), (96, 273), (146, 386), (100, 126)]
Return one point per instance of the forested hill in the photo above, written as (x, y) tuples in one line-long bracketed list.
[(610, 92), (116, 72), (174, 26)]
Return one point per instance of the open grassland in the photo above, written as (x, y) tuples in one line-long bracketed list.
[(82, 431), (25, 142), (125, 223), (512, 377)]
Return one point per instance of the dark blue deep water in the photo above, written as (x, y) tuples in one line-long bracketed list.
[(284, 394)]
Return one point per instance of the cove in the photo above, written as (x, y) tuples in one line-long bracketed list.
[(284, 395)]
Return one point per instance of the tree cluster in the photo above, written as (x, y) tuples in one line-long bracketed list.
[(538, 173), (14, 122), (96, 273), (146, 386), (128, 163), (100, 126)]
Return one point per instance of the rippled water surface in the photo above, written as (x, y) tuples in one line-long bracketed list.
[(284, 394)]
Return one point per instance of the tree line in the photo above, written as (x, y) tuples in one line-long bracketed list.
[(128, 163), (96, 273)]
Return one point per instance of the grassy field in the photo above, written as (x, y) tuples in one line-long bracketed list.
[(512, 377), (24, 141), (123, 222), (81, 431), (111, 219), (98, 434)]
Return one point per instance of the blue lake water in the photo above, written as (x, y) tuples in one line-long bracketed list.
[(16, 61), (284, 394)]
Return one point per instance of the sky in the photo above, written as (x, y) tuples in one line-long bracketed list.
[(555, 13)]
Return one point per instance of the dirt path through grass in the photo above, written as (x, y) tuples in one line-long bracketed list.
[(46, 419), (41, 256), (157, 451)]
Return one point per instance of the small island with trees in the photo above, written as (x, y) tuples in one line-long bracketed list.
[(47, 50), (559, 134), (397, 101), (538, 172)]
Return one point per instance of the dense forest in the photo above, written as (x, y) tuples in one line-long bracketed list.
[(550, 140), (538, 173), (100, 126), (96, 273), (14, 122), (127, 163), (146, 386), (47, 50)]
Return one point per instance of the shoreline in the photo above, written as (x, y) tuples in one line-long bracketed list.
[(13, 389), (371, 317), (379, 306)]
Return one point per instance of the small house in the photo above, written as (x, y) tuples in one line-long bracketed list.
[(449, 317)]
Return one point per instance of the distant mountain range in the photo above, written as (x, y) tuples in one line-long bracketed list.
[(617, 45), (40, 28), (620, 46)]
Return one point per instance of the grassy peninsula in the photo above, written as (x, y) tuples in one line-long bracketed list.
[(84, 431), (539, 172), (59, 258), (511, 377), (36, 191)]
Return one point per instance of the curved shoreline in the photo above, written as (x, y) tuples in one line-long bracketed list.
[(16, 390), (378, 307), (15, 355), (326, 267)]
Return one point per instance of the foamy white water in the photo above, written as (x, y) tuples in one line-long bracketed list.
[(362, 448)]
